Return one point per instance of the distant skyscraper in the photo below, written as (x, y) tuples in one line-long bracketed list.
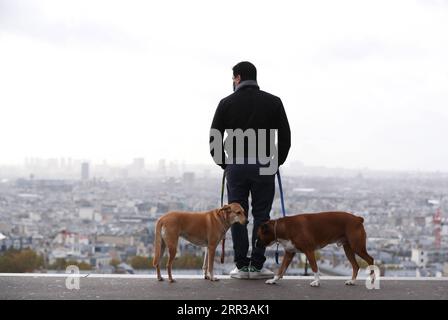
[(84, 171)]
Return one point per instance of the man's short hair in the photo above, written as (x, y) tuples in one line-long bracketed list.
[(246, 70)]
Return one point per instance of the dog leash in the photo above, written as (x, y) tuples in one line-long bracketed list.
[(282, 201), (222, 204), (281, 192)]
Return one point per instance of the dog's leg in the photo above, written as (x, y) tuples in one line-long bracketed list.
[(289, 255), (364, 255), (205, 264), (162, 250), (172, 249), (312, 259), (211, 259), (357, 242), (352, 258)]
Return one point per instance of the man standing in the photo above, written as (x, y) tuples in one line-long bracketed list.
[(253, 115)]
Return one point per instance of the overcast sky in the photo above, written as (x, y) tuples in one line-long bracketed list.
[(364, 83)]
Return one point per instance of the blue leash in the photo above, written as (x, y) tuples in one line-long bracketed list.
[(282, 200), (281, 192), (223, 185)]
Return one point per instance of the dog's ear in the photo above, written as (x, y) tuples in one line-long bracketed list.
[(227, 208)]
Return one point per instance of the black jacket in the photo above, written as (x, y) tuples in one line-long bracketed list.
[(250, 107)]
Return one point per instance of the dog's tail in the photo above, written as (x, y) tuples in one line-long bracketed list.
[(222, 251), (157, 243)]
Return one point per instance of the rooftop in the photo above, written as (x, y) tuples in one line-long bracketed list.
[(116, 286)]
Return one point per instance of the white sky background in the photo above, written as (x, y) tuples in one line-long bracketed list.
[(364, 83)]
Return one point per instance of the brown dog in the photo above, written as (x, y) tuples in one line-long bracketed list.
[(309, 232), (203, 229)]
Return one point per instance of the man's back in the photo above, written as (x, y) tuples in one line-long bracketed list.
[(251, 108)]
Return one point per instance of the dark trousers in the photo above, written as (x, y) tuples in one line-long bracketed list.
[(242, 179)]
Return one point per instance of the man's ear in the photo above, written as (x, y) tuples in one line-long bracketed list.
[(238, 78)]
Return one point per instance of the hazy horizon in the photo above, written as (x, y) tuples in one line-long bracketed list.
[(364, 84), (290, 167)]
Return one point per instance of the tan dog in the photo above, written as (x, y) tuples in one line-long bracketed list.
[(309, 232), (203, 229)]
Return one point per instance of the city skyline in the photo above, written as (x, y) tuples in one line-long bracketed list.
[(62, 162), (150, 162), (139, 167)]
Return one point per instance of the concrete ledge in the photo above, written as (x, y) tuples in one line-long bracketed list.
[(221, 277), (120, 287)]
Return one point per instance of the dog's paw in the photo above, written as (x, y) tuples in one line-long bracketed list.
[(315, 283), (350, 282), (160, 279), (214, 279), (270, 281), (172, 281)]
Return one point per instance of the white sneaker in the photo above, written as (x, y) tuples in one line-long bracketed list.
[(264, 273), (242, 273)]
